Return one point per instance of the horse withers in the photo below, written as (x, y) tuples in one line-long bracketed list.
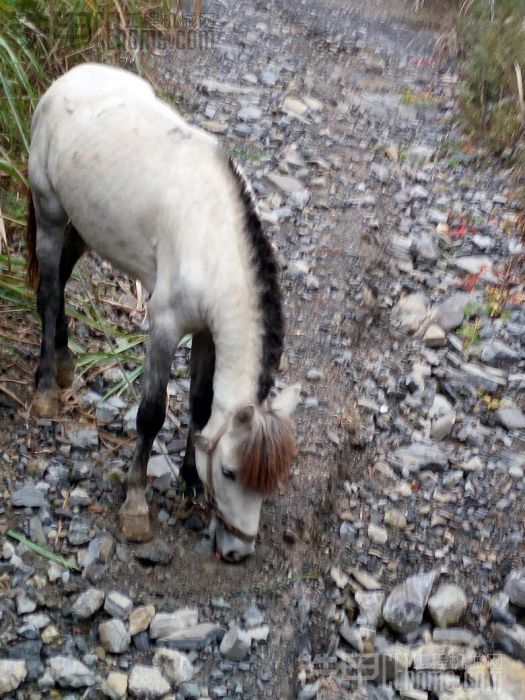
[(114, 169)]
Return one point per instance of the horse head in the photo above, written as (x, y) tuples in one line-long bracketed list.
[(240, 463)]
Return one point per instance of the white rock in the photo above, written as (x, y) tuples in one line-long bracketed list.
[(147, 682), (115, 686), (291, 104), (12, 673), (435, 337), (377, 534), (447, 605), (70, 673), (410, 312), (88, 603), (118, 605), (114, 636), (175, 666), (164, 624), (235, 644)]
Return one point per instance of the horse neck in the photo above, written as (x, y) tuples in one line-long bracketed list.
[(238, 354)]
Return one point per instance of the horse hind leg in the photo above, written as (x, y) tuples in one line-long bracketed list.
[(72, 250), (51, 221)]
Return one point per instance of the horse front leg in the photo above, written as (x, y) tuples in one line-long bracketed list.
[(134, 514)]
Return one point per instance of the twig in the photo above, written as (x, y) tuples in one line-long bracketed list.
[(12, 396)]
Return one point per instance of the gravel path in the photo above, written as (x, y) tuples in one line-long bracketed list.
[(411, 429)]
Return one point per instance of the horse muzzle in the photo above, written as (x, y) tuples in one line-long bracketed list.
[(231, 548)]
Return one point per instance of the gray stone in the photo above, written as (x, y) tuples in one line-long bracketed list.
[(380, 172), (488, 378), (498, 354), (196, 637), (285, 183), (118, 605), (147, 682), (211, 85), (474, 265), (377, 534), (114, 636), (453, 635), (164, 625), (83, 438), (79, 531), (510, 639), (308, 691), (37, 620), (88, 399), (79, 497), (107, 411), (370, 607), (88, 603), (28, 497), (176, 667), (268, 77), (99, 552), (129, 422), (450, 314), (404, 607), (418, 192), (70, 673), (249, 114), (12, 673), (158, 466), (156, 552), (410, 312), (447, 605), (511, 417), (441, 427), (515, 587), (235, 644), (419, 456), (24, 604)]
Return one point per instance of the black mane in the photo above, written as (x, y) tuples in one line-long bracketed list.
[(267, 274)]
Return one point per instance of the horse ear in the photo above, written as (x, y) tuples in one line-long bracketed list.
[(202, 443), (286, 401), (244, 416)]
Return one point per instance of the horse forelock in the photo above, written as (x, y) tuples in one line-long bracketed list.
[(265, 452)]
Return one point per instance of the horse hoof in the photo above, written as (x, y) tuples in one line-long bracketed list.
[(45, 404), (64, 370), (134, 517)]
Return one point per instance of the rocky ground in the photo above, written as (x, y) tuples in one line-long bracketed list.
[(392, 566)]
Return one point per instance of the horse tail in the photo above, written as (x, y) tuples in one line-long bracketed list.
[(32, 260)]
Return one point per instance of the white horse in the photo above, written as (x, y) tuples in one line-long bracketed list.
[(113, 168)]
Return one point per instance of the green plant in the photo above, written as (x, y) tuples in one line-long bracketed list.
[(469, 331), (493, 41)]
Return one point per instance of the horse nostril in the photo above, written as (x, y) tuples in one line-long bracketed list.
[(233, 557)]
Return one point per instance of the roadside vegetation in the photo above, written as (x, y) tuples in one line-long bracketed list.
[(39, 40)]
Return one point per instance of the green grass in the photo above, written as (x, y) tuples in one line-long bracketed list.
[(40, 40)]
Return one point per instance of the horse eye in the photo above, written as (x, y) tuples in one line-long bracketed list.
[(228, 474)]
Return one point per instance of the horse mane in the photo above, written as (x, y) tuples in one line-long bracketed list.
[(267, 277), (265, 452)]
